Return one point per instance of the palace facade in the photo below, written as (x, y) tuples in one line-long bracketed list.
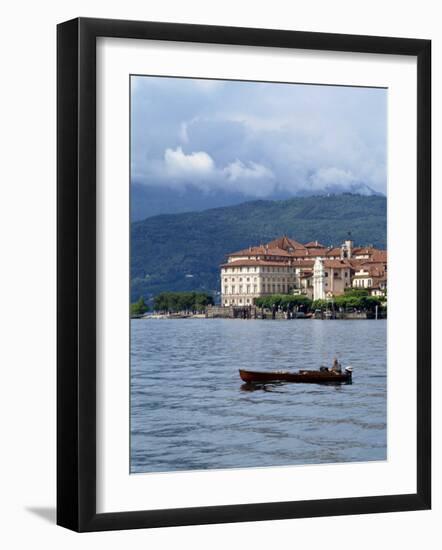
[(286, 266)]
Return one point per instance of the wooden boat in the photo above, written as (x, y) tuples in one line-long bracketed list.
[(323, 376)]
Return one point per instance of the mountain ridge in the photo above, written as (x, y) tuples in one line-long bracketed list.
[(152, 200)]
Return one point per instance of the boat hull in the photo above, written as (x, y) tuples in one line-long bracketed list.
[(302, 377)]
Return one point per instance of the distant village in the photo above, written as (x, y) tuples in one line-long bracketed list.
[(285, 266)]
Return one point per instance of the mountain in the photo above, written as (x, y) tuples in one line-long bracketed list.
[(353, 189), (152, 200), (183, 251)]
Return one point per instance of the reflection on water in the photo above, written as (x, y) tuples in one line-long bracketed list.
[(190, 410), (261, 387), (273, 386)]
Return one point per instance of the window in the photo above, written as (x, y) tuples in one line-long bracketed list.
[(326, 274)]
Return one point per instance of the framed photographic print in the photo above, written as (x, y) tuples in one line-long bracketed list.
[(243, 274)]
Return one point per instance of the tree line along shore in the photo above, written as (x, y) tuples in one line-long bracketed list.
[(354, 303)]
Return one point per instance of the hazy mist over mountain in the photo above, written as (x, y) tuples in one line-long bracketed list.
[(148, 201)]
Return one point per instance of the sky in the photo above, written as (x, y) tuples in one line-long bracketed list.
[(257, 139)]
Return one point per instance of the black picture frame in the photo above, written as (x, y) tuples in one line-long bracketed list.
[(76, 274)]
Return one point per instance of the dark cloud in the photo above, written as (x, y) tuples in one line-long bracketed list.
[(257, 138)]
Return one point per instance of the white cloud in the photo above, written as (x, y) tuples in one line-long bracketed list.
[(179, 169), (250, 178), (325, 177), (180, 165), (238, 170)]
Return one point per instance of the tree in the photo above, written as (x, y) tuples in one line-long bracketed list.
[(286, 302), (320, 304), (182, 301), (358, 292), (139, 307), (356, 300), (370, 302)]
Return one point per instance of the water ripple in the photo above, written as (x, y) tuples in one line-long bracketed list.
[(190, 410)]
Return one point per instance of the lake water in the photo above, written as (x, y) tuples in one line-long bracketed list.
[(191, 411)]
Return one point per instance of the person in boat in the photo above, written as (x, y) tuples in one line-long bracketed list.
[(336, 368)]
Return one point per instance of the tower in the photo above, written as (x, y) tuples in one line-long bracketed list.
[(347, 248), (318, 280)]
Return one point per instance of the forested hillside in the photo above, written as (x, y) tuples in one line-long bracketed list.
[(177, 252)]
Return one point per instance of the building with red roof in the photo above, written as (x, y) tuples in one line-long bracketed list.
[(286, 266)]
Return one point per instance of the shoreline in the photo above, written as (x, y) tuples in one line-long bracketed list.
[(342, 317)]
